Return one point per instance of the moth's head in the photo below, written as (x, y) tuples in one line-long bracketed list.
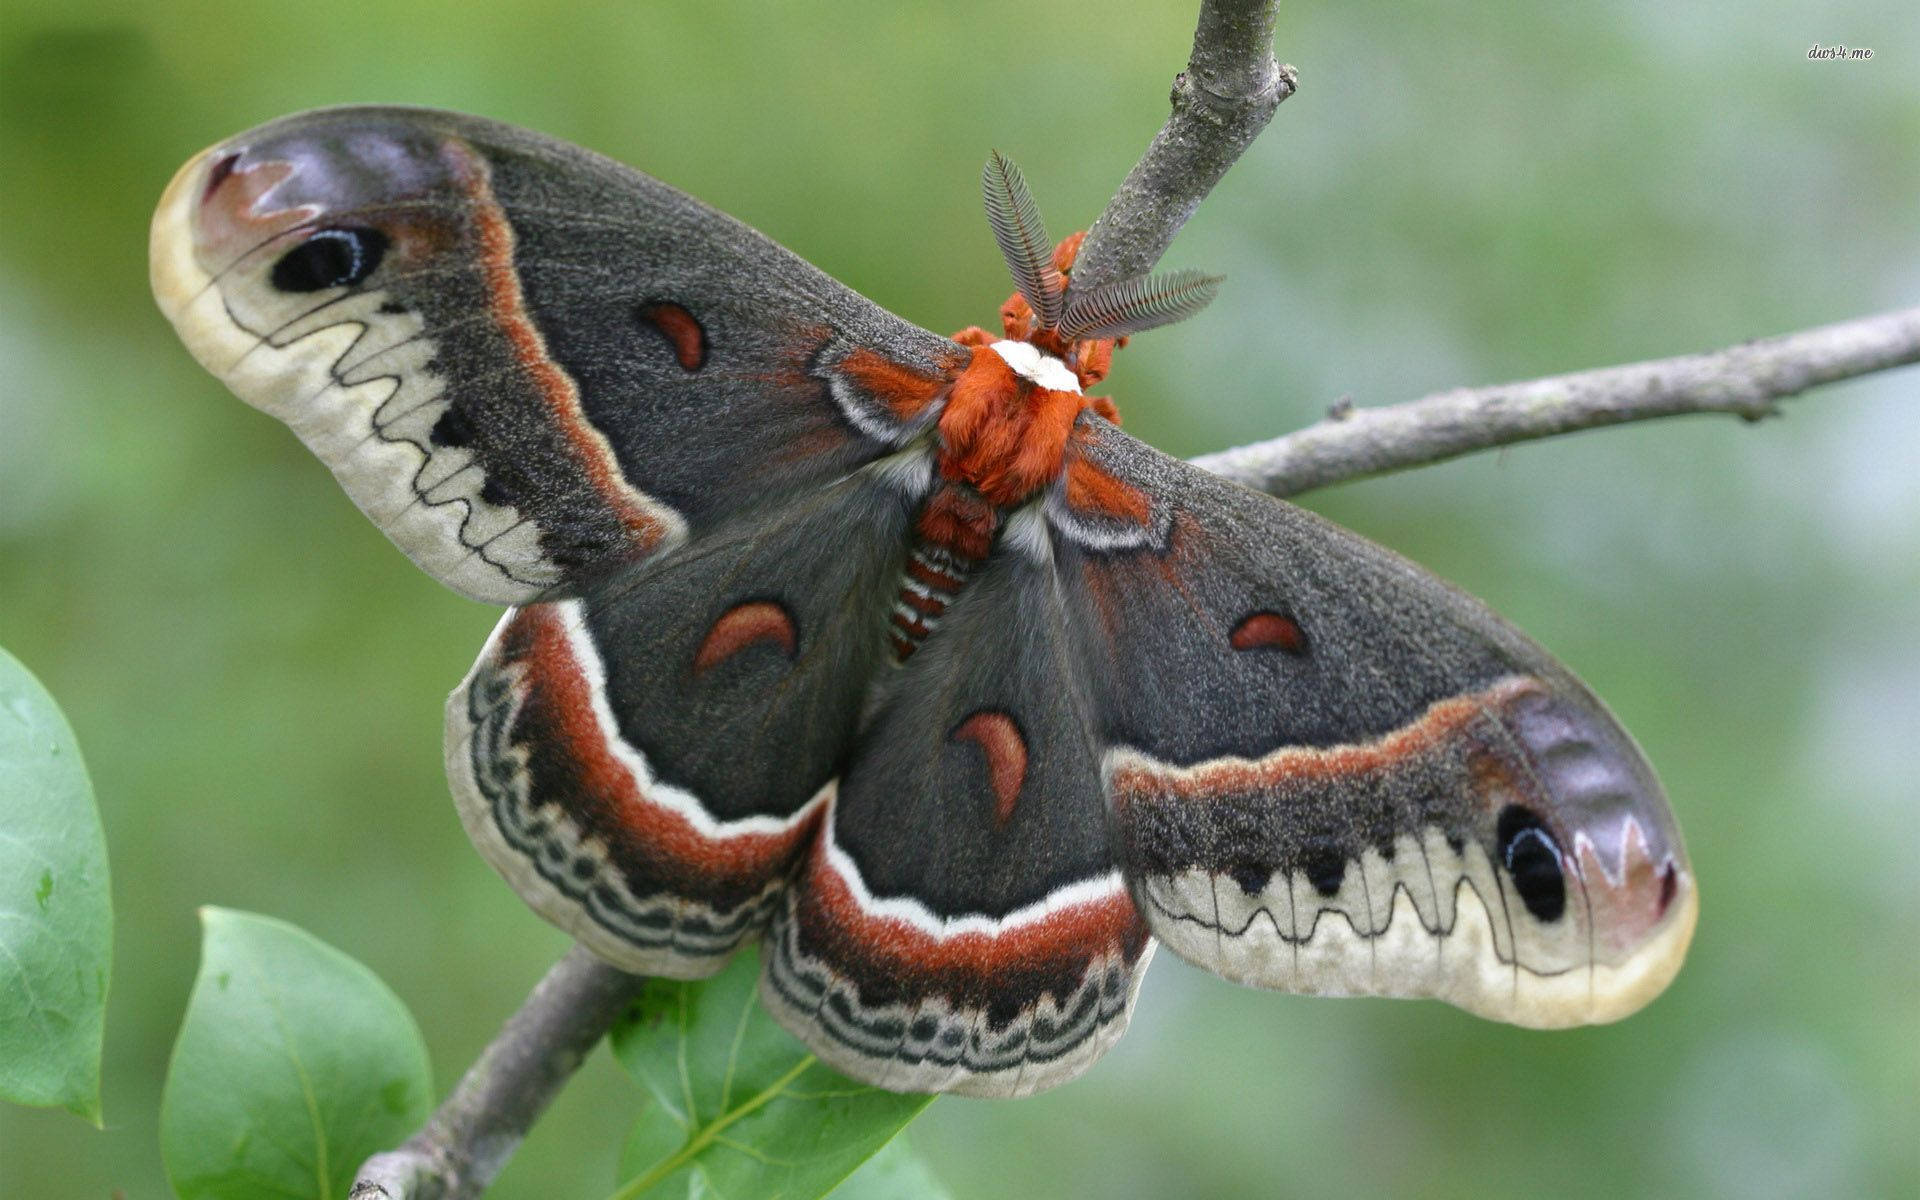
[(1082, 327), (300, 215)]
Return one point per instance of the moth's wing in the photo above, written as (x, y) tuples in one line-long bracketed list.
[(1333, 773), (528, 364), (646, 763), (960, 924)]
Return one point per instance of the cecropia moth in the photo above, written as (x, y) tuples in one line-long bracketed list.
[(892, 649)]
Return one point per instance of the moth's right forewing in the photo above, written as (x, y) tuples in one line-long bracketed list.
[(1331, 772)]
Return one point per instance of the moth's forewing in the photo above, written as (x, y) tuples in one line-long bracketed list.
[(528, 364), (1332, 772)]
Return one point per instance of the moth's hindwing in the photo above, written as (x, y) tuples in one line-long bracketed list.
[(647, 763), (960, 924), (1330, 772), (528, 364)]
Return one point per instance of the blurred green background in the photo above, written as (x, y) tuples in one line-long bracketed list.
[(1458, 194)]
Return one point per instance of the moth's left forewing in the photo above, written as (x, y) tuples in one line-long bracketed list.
[(1330, 772), (531, 366)]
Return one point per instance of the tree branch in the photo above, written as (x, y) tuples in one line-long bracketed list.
[(468, 1139), (1743, 380), (1221, 102)]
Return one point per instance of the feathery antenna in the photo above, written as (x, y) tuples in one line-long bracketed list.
[(1133, 305), (1023, 239)]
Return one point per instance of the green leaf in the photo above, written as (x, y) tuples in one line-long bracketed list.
[(740, 1108), (56, 913), (896, 1173), (294, 1064)]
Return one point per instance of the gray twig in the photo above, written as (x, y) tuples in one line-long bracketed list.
[(1221, 102), (1743, 380), (456, 1154)]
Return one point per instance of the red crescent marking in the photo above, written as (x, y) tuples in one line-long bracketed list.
[(961, 965), (682, 332), (1444, 720), (742, 626), (999, 739), (1264, 629), (606, 793), (508, 307)]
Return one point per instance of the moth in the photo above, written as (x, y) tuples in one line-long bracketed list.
[(891, 649)]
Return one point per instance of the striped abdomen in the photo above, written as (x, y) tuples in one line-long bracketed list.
[(934, 575)]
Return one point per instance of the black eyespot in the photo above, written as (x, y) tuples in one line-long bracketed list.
[(1533, 862), (330, 258)]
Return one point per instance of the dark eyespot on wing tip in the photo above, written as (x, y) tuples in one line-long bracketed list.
[(1532, 859), (336, 257)]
